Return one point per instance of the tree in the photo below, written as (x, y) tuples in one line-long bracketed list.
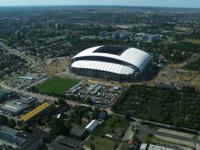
[(61, 102), (25, 127), (12, 123), (59, 127), (92, 146), (3, 120)]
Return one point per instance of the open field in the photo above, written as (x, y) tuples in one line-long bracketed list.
[(193, 41), (56, 85), (178, 77), (114, 126), (101, 143), (52, 67)]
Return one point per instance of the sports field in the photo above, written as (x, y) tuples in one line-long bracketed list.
[(56, 85)]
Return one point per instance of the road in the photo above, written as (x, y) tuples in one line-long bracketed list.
[(40, 96), (110, 112), (16, 52), (127, 135), (145, 130)]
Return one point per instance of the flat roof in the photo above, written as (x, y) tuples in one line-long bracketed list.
[(3, 92), (34, 112), (77, 131), (8, 130), (27, 99), (156, 147), (14, 106), (21, 140), (63, 140)]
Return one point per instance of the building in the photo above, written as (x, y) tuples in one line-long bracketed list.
[(102, 116), (92, 126), (27, 99), (65, 143), (78, 133), (3, 95), (143, 146), (121, 34), (32, 115), (112, 63), (156, 147), (14, 107), (19, 140), (144, 37)]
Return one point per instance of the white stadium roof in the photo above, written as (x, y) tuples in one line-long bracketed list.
[(132, 56), (104, 66)]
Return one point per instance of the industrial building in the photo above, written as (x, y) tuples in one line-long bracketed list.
[(30, 116), (65, 143), (92, 126), (19, 140), (157, 147), (78, 133), (27, 99), (3, 95), (112, 63), (13, 107)]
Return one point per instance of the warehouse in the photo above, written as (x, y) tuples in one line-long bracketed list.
[(92, 126), (32, 115), (4, 94), (14, 107), (112, 63), (19, 140)]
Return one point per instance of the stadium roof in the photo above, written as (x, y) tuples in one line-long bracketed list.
[(109, 49), (104, 66), (132, 56)]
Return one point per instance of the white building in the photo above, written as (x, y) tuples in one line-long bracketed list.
[(111, 62), (143, 146), (92, 125), (156, 147)]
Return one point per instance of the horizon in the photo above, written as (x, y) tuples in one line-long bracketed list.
[(122, 3), (137, 6)]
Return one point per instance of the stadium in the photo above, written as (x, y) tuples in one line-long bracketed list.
[(112, 63)]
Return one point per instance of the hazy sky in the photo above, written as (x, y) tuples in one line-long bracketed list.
[(165, 3)]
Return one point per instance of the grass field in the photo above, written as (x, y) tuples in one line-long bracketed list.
[(193, 41), (56, 85), (114, 126), (101, 143)]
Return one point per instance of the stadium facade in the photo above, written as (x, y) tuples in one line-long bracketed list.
[(111, 62)]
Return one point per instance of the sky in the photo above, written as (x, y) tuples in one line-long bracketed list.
[(155, 3)]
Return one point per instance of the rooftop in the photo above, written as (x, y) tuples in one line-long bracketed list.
[(3, 93), (109, 49), (77, 131), (156, 147), (14, 106), (64, 143), (27, 99), (19, 140), (34, 112)]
